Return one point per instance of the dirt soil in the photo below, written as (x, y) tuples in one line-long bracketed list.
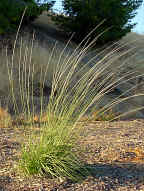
[(114, 153)]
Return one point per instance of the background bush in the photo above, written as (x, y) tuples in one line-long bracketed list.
[(11, 12), (81, 16)]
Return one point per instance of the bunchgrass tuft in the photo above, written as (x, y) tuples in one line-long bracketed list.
[(74, 88), (51, 160)]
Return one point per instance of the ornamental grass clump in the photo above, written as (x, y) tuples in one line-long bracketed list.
[(76, 88)]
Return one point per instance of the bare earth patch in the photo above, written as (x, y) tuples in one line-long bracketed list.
[(113, 152)]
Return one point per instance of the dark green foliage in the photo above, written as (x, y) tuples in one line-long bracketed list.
[(11, 12), (81, 16)]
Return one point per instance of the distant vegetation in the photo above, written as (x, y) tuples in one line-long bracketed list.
[(11, 12), (81, 16)]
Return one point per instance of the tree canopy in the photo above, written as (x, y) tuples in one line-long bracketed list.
[(81, 16), (11, 12)]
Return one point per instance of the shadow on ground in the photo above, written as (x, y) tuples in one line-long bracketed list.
[(109, 177)]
